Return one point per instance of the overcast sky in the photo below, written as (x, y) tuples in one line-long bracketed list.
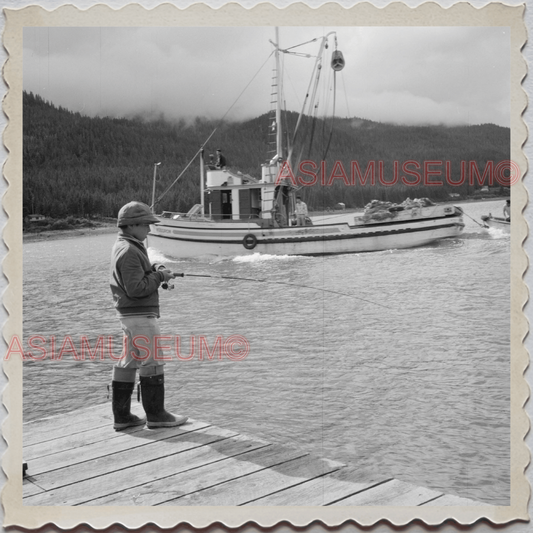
[(408, 75)]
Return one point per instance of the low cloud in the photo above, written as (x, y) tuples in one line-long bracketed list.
[(401, 75)]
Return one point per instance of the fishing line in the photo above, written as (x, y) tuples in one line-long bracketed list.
[(166, 286), (411, 313), (257, 280)]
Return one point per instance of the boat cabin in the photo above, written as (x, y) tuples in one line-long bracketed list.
[(235, 196)]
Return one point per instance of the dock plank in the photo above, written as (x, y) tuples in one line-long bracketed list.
[(29, 488), (117, 442), (450, 499), (78, 459), (73, 441), (393, 492), (47, 429), (324, 490), (145, 472), (205, 476), (122, 460), (247, 489)]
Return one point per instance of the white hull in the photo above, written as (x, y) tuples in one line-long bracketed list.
[(497, 223), (184, 237)]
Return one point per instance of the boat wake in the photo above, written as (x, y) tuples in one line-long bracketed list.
[(496, 233), (157, 257), (485, 235), (257, 258)]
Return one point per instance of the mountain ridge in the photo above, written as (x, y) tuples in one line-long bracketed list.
[(90, 166)]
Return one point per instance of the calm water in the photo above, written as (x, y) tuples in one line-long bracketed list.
[(407, 377)]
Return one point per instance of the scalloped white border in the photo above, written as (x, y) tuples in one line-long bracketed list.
[(264, 14)]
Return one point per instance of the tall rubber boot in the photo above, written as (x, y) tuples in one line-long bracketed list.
[(153, 399), (123, 418)]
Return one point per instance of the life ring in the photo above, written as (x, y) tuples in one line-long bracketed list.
[(249, 241)]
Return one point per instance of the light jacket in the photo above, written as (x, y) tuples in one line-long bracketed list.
[(301, 208), (134, 280)]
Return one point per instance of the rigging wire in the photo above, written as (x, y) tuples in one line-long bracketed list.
[(333, 110), (345, 95), (315, 102), (326, 150), (462, 211), (316, 73), (213, 132), (301, 44), (326, 93)]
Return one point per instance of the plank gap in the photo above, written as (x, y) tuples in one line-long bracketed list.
[(362, 490)]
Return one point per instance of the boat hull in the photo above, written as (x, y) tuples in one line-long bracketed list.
[(497, 223), (192, 238)]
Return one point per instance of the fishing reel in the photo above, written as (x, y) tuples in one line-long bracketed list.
[(168, 286)]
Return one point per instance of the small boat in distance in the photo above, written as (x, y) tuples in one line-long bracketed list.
[(242, 214), (502, 224)]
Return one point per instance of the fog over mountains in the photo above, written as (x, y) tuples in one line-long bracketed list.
[(89, 166)]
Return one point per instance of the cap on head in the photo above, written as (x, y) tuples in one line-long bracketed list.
[(135, 213)]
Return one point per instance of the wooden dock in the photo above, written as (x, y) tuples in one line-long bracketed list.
[(78, 459)]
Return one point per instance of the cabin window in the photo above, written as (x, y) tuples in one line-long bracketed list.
[(249, 203), (226, 204)]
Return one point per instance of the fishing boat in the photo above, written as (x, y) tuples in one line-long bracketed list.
[(503, 224), (243, 214)]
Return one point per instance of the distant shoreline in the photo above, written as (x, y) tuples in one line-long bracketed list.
[(50, 235)]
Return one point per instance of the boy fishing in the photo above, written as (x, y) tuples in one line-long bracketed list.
[(134, 284)]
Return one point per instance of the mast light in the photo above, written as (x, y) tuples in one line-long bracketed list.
[(337, 60)]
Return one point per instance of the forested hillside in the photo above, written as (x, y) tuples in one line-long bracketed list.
[(82, 166)]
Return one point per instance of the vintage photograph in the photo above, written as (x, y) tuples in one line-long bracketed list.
[(268, 266)]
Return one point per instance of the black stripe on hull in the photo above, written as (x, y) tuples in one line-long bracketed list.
[(314, 238), (258, 227)]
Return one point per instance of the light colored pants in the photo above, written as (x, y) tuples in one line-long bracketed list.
[(300, 220), (140, 333)]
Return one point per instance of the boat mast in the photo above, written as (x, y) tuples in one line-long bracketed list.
[(313, 84), (279, 145)]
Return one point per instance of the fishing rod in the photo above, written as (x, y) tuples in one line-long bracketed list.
[(166, 285), (462, 211)]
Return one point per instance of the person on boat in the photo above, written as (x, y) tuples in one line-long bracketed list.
[(221, 160), (507, 210), (134, 285), (301, 211), (211, 164)]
